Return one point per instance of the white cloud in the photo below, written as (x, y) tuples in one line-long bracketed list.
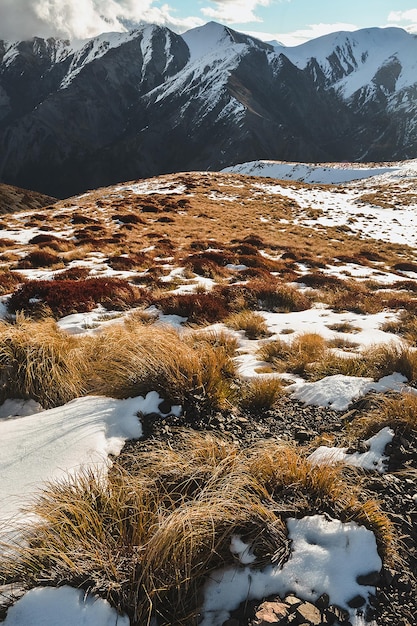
[(404, 19), (83, 18), (235, 11), (298, 37)]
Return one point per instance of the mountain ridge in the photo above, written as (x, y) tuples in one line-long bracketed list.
[(148, 102)]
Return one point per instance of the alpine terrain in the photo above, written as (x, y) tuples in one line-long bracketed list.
[(208, 399)]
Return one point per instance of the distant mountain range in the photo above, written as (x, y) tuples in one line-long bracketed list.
[(129, 105)]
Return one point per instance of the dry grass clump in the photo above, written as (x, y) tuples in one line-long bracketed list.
[(40, 362), (40, 258), (76, 272), (356, 297), (149, 537), (9, 280), (398, 411), (214, 338), (260, 394), (206, 268), (311, 356), (375, 362), (134, 359), (405, 267), (251, 322), (318, 280), (267, 294), (296, 356), (405, 326), (344, 327), (278, 297)]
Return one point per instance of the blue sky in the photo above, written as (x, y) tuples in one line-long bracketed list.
[(294, 21), (289, 21)]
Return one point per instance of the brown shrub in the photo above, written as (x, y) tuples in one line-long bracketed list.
[(39, 258), (318, 280), (128, 218), (9, 280), (77, 272), (43, 239), (64, 297), (197, 308), (405, 267), (278, 297)]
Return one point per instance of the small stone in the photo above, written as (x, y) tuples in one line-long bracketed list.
[(270, 613), (292, 602), (356, 602), (309, 613), (372, 579), (323, 601), (164, 407), (303, 435), (341, 615)]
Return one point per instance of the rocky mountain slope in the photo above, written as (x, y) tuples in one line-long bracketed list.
[(14, 199), (129, 105)]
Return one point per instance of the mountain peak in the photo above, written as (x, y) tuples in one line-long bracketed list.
[(205, 39)]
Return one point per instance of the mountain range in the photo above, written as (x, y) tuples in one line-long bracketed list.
[(150, 101)]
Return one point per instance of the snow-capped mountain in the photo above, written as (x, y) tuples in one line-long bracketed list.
[(126, 105)]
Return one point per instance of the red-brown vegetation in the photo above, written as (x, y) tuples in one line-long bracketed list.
[(63, 297)]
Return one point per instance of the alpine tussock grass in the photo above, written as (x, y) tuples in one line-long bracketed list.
[(251, 322), (311, 356), (398, 411), (40, 362), (148, 536), (134, 359)]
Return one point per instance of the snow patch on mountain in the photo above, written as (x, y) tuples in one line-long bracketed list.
[(206, 39), (329, 173), (96, 48), (351, 61)]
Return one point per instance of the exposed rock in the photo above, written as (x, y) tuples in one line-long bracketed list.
[(308, 613), (270, 613)]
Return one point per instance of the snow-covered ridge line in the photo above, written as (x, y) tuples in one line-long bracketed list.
[(325, 173)]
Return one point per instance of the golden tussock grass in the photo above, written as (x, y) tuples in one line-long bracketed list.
[(134, 359), (260, 393), (397, 411), (38, 361), (251, 322), (296, 355), (9, 281), (311, 356), (149, 534), (405, 326), (375, 362)]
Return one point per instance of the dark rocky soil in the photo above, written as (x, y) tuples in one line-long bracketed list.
[(395, 602)]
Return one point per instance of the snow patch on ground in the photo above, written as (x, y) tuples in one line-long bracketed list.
[(47, 446), (327, 556), (41, 606), (338, 391), (373, 459), (329, 174)]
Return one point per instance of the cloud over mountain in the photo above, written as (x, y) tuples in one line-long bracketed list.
[(80, 19)]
